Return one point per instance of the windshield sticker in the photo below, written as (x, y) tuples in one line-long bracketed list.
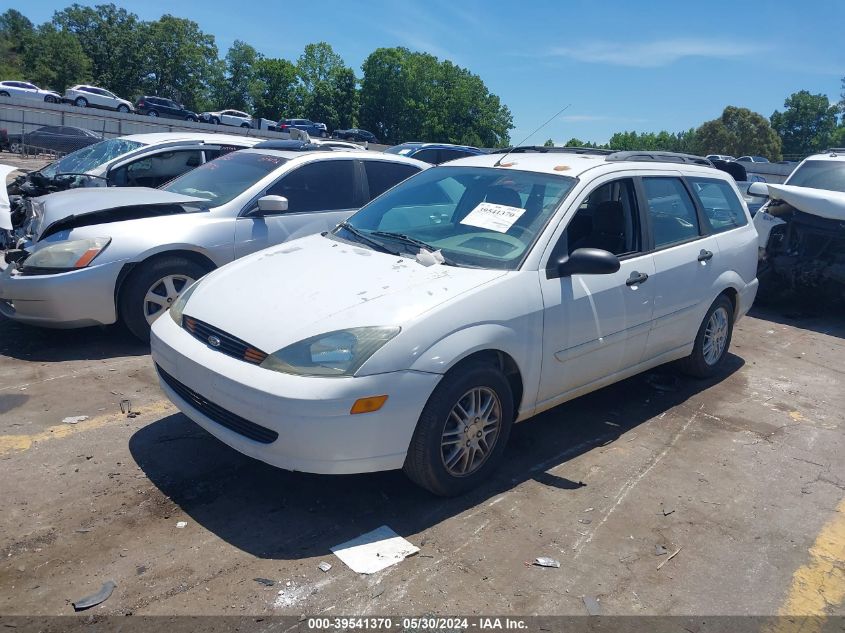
[(402, 152), (496, 217)]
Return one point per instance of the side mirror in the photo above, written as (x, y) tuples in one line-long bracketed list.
[(584, 261), (758, 190), (272, 204)]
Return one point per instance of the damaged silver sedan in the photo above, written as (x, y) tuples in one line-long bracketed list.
[(93, 256)]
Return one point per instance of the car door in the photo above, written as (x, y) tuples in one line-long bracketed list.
[(30, 91), (320, 194), (596, 326), (686, 260)]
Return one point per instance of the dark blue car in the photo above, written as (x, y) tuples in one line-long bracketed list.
[(434, 153)]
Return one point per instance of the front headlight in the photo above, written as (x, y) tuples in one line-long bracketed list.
[(178, 306), (339, 353), (64, 256)]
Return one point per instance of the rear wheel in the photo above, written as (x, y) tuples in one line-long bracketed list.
[(152, 288), (215, 120), (123, 108), (462, 431), (191, 118), (246, 125), (3, 93), (713, 340), (152, 113), (50, 99), (81, 102)]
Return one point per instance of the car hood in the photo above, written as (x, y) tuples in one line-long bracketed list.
[(315, 285), (820, 202), (62, 205)]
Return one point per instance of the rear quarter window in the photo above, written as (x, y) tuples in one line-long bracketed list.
[(722, 209)]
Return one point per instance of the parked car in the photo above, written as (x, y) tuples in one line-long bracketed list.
[(227, 117), (752, 159), (26, 90), (306, 125), (167, 108), (93, 256), (434, 153), (466, 298), (94, 97), (52, 138), (355, 134), (725, 157)]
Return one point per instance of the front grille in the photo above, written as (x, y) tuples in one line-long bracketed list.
[(229, 345), (233, 422)]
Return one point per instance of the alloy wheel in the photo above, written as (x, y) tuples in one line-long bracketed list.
[(471, 431), (162, 294), (715, 336)]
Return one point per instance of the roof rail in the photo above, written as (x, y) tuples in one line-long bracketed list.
[(542, 149), (292, 145), (835, 150), (658, 157)]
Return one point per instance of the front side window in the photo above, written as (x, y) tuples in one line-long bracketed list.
[(156, 169), (91, 157), (319, 186), (722, 209), (225, 178), (428, 155), (608, 219), (382, 175), (671, 211), (820, 174), (482, 217)]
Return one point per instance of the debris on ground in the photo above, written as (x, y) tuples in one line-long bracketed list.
[(592, 604), (663, 382), (671, 556), (374, 551), (545, 561), (667, 510), (181, 524), (75, 419), (324, 566), (585, 521), (94, 599), (265, 581), (659, 550)]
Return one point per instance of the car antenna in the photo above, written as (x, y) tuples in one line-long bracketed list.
[(556, 115)]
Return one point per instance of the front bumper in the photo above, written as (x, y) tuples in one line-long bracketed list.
[(316, 432), (78, 298)]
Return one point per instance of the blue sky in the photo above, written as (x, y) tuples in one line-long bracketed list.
[(644, 66)]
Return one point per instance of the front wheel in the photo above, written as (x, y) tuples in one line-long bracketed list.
[(191, 118), (462, 431), (123, 108), (712, 341), (151, 290), (215, 120), (50, 99), (246, 125), (81, 102), (152, 113)]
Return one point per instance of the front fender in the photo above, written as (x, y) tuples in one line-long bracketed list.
[(453, 348)]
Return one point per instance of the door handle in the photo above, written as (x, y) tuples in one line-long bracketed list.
[(704, 256), (636, 279)]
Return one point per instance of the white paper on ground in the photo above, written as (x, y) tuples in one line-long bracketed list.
[(496, 217), (5, 207), (374, 551)]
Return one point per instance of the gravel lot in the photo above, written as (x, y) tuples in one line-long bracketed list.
[(741, 477)]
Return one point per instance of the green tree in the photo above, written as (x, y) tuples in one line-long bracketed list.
[(240, 76), (327, 87), (113, 39), (181, 61), (737, 132), (16, 36), (273, 90), (549, 143), (56, 59), (806, 124)]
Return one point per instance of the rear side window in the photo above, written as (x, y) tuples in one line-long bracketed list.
[(671, 211), (320, 186), (428, 155), (451, 154), (383, 175), (722, 209)]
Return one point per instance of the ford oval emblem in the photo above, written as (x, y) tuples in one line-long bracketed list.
[(213, 341)]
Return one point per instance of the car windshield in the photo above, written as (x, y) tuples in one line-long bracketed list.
[(224, 178), (88, 158), (820, 174), (482, 217), (402, 150)]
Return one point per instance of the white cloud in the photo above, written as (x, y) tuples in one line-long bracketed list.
[(656, 53)]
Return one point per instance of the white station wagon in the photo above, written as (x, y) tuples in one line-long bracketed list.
[(469, 297)]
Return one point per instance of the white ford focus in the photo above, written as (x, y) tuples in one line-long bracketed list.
[(467, 298)]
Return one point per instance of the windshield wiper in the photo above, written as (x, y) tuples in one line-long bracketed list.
[(362, 237), (407, 239)]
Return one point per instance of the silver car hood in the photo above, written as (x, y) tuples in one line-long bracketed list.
[(79, 202)]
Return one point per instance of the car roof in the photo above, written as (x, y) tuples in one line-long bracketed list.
[(833, 154), (419, 144), (317, 155), (156, 138), (575, 164)]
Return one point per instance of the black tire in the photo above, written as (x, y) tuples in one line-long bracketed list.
[(123, 108), (3, 93), (696, 364), (50, 99), (191, 118), (246, 125), (131, 303), (424, 463), (80, 102), (215, 120), (152, 113)]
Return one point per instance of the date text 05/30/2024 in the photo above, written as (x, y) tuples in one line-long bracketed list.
[(416, 624)]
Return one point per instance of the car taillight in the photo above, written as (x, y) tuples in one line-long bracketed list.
[(283, 126)]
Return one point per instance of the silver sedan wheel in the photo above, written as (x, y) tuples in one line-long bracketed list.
[(715, 336), (162, 294), (471, 431)]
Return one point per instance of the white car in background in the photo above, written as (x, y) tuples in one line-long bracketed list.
[(469, 297), (227, 117), (26, 90), (93, 97)]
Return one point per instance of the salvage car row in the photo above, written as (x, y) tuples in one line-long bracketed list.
[(412, 333)]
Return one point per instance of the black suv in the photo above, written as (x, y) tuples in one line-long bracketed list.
[(355, 134), (159, 106)]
